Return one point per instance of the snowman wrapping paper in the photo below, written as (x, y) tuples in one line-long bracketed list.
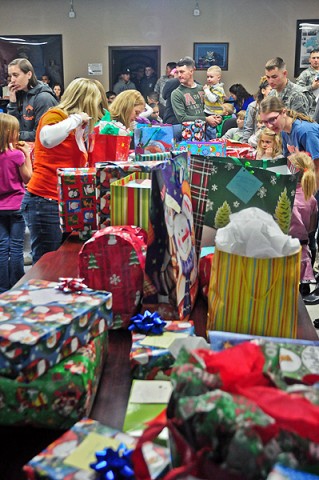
[(40, 325), (77, 199), (171, 282)]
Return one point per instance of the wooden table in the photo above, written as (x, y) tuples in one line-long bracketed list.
[(22, 443)]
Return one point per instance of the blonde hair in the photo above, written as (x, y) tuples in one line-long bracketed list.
[(214, 69), (122, 107), (104, 105), (277, 143), (9, 131), (82, 95), (306, 166), (229, 108), (274, 104), (241, 114)]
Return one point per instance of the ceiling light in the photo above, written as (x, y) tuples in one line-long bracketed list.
[(71, 11)]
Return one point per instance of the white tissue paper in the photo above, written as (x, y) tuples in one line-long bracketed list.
[(254, 233)]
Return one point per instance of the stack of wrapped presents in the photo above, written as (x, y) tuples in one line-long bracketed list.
[(164, 227)]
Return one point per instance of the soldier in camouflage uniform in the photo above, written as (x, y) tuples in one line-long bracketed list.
[(293, 96), (309, 79)]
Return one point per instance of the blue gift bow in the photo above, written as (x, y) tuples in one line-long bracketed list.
[(148, 323), (114, 464)]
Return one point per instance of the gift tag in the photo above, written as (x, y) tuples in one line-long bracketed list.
[(150, 391), (244, 185)]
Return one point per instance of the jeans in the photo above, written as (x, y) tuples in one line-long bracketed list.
[(12, 229), (210, 132), (42, 218)]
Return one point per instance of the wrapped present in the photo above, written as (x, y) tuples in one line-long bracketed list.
[(73, 455), (153, 139), (204, 268), (148, 399), (106, 173), (194, 131), (221, 340), (214, 148), (77, 199), (130, 200), (61, 396), (114, 259), (145, 157), (150, 356), (226, 419), (41, 325)]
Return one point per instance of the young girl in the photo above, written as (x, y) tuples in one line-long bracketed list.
[(269, 145), (304, 215), (15, 171)]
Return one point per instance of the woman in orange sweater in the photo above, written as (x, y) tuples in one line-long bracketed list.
[(60, 143)]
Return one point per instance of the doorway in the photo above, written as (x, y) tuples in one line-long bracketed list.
[(134, 58)]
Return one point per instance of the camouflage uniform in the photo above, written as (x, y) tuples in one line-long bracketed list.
[(305, 80), (294, 98)]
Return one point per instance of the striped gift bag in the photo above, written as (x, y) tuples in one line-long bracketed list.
[(257, 296), (130, 200)]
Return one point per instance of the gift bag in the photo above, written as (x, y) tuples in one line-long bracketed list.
[(257, 296), (130, 199), (171, 268), (234, 185), (194, 131), (153, 139), (114, 259), (108, 148)]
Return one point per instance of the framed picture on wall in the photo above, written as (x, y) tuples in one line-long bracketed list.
[(209, 54), (43, 51), (307, 39)]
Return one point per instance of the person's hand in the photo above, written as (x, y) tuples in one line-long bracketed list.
[(85, 119), (214, 120), (315, 84), (12, 92), (24, 147)]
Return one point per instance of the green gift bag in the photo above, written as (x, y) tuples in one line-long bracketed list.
[(130, 199), (235, 184)]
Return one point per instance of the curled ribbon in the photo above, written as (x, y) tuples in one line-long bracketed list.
[(114, 464), (151, 323), (71, 285)]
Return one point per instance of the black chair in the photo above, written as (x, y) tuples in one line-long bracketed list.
[(229, 123)]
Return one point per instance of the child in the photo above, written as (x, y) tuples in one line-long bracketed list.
[(155, 116), (16, 170), (253, 139), (269, 145), (228, 113), (304, 216), (236, 134), (213, 98)]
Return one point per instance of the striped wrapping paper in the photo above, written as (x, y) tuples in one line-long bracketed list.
[(146, 157), (130, 204), (255, 296)]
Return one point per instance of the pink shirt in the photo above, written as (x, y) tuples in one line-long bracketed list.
[(11, 185)]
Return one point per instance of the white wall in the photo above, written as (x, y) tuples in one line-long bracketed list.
[(255, 29)]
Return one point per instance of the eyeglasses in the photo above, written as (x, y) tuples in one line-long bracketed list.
[(271, 120)]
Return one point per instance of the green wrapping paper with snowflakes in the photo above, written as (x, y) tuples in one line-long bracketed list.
[(235, 184)]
